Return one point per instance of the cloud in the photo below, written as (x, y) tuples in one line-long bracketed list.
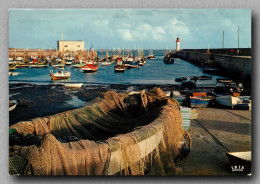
[(128, 27)]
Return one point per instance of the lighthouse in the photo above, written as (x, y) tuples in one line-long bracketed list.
[(178, 44)]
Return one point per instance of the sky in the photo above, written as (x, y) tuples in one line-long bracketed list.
[(130, 28)]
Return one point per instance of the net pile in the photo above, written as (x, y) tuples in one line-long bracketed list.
[(120, 135)]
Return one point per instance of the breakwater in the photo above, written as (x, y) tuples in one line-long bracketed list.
[(235, 65)]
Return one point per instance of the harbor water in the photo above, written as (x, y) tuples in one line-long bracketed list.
[(154, 72)]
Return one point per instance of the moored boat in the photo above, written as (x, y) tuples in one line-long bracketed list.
[(38, 65), (151, 56), (12, 104), (180, 79), (228, 101), (60, 75), (12, 67), (228, 87), (119, 67), (200, 99), (168, 60), (90, 67), (78, 65)]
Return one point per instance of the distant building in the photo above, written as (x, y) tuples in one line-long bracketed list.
[(178, 44), (70, 45)]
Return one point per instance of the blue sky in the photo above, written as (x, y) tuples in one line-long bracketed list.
[(130, 28)]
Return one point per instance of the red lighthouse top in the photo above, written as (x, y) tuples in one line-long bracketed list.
[(178, 39)]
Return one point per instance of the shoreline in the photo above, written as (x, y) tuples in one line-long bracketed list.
[(44, 100)]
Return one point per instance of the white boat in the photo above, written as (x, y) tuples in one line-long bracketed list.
[(60, 65), (106, 63), (228, 100), (71, 85), (13, 73), (19, 59), (12, 104), (59, 75)]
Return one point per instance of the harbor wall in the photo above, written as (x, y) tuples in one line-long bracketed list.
[(233, 65)]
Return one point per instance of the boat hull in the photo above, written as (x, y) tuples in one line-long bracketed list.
[(199, 102), (90, 68), (228, 101), (59, 76), (12, 104)]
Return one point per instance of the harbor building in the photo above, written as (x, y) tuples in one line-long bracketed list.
[(70, 45), (178, 44)]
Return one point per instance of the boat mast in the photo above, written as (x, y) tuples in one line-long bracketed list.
[(62, 49)]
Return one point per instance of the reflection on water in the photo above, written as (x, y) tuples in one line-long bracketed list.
[(75, 101)]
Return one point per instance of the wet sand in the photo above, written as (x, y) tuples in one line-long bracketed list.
[(214, 132), (44, 100)]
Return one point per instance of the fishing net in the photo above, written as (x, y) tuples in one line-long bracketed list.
[(122, 134)]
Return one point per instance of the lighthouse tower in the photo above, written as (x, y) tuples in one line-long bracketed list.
[(178, 44)]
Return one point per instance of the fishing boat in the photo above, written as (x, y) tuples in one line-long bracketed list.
[(12, 67), (199, 99), (61, 74), (151, 56), (79, 64), (58, 65), (106, 61), (180, 79), (227, 87), (11, 60), (119, 67), (69, 61), (22, 65), (18, 59), (38, 65), (118, 135), (93, 67), (131, 64), (12, 104), (228, 101), (168, 60)]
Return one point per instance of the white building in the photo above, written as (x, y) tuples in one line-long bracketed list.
[(70, 45)]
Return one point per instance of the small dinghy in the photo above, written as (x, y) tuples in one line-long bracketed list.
[(12, 104)]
